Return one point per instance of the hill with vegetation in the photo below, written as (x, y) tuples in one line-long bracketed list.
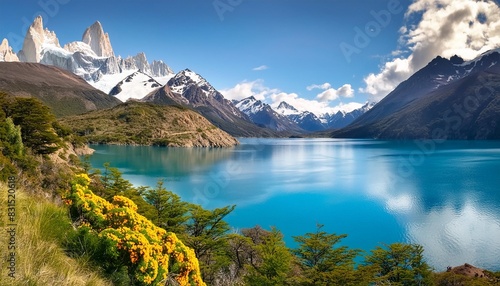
[(137, 123), (62, 91)]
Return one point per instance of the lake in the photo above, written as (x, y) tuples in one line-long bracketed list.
[(442, 195)]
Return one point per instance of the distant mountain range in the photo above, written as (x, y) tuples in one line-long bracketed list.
[(447, 99), (91, 58)]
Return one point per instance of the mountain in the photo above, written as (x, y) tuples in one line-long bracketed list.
[(137, 123), (6, 52), (98, 41), (448, 98), (306, 120), (188, 88), (343, 118), (92, 58), (135, 86), (64, 92), (263, 115)]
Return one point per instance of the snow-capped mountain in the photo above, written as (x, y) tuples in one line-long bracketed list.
[(92, 58), (135, 86), (263, 115), (448, 98), (342, 118), (304, 119), (188, 88), (312, 122)]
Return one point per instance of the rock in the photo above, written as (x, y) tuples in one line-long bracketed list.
[(98, 41), (6, 53)]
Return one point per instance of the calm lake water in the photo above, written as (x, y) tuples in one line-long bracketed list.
[(444, 196)]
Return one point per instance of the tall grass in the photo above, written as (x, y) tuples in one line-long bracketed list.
[(42, 227)]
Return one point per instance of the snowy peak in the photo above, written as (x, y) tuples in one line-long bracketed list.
[(286, 109), (135, 86), (185, 79), (36, 40), (251, 105), (98, 41), (6, 52)]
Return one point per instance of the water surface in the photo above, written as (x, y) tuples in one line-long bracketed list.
[(442, 195)]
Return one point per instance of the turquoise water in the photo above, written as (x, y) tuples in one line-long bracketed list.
[(442, 195)]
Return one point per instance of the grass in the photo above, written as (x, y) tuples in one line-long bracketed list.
[(40, 258)]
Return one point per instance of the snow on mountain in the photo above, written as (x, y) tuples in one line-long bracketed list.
[(36, 40), (250, 105), (286, 109), (340, 116), (263, 115), (186, 78), (135, 86), (6, 52), (92, 58)]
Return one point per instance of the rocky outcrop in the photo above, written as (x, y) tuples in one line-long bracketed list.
[(98, 41), (6, 53), (35, 40)]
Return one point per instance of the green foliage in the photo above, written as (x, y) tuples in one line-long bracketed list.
[(275, 261), (36, 121), (170, 212), (400, 264), (206, 233), (323, 262)]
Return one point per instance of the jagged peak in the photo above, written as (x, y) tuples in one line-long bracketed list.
[(98, 40), (285, 105)]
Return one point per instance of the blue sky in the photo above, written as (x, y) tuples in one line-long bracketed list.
[(297, 43)]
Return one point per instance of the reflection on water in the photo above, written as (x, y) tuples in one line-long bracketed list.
[(442, 196)]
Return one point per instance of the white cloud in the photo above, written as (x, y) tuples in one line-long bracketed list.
[(333, 94), (246, 89), (324, 86), (260, 68), (437, 27)]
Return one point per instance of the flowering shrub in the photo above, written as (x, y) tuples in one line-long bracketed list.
[(149, 252)]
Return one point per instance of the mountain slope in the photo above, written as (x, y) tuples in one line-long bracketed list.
[(64, 92), (466, 106), (263, 115), (135, 86), (306, 120), (137, 123), (187, 88)]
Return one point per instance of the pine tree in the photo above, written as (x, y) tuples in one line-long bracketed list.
[(276, 262), (171, 212), (36, 121), (324, 262)]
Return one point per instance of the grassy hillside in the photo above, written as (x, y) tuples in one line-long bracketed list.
[(62, 91), (138, 123), (40, 257)]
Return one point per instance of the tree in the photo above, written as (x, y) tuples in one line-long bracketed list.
[(170, 211), (275, 261), (36, 122), (400, 264), (11, 140), (206, 233), (323, 262)]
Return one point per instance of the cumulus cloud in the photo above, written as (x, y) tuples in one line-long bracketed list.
[(246, 89), (324, 86), (260, 68), (437, 27), (332, 94)]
